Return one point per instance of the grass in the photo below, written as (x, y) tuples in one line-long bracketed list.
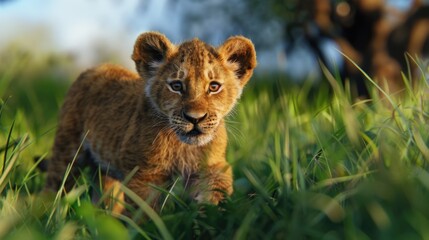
[(309, 163)]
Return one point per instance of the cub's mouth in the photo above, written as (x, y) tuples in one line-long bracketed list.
[(194, 137), (194, 133)]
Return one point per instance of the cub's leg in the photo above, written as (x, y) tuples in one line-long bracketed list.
[(213, 183), (66, 146), (141, 185), (115, 199)]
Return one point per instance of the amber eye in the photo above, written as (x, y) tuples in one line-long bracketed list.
[(214, 87), (176, 86)]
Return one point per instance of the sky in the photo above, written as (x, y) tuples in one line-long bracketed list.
[(80, 27)]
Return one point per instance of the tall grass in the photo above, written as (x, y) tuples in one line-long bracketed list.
[(309, 162)]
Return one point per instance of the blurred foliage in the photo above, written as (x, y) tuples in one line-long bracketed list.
[(251, 18), (263, 21)]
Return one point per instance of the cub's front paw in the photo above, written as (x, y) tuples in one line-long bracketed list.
[(213, 197)]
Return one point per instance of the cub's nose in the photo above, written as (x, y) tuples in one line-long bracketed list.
[(194, 117)]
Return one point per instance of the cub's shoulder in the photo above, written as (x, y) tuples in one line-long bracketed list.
[(104, 81), (107, 76), (109, 71)]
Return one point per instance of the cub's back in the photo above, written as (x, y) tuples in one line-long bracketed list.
[(105, 88), (102, 99)]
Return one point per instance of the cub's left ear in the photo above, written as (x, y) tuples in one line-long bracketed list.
[(151, 50), (240, 55)]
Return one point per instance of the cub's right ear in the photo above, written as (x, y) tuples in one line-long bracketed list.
[(151, 50)]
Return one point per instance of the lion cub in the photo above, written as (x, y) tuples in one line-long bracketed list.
[(167, 119)]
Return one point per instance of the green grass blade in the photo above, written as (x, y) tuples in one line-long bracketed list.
[(10, 165), (149, 212), (168, 194), (371, 81), (7, 147), (66, 175), (133, 225), (332, 181)]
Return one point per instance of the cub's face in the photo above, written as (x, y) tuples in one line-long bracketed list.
[(193, 85)]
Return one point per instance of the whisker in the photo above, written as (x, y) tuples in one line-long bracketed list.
[(236, 133)]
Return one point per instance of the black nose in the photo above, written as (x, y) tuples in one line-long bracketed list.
[(194, 117)]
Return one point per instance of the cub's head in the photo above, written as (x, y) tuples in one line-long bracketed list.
[(194, 85)]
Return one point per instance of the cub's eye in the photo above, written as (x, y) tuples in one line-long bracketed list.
[(215, 87), (176, 86)]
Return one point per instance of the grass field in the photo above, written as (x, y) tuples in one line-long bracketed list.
[(309, 163)]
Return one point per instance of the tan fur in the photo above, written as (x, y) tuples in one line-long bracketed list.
[(125, 120)]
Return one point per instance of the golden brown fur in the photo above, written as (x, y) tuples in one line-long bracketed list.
[(166, 119)]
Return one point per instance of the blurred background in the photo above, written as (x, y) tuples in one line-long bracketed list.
[(292, 37)]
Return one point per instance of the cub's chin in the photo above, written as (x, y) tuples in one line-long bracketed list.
[(195, 137)]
